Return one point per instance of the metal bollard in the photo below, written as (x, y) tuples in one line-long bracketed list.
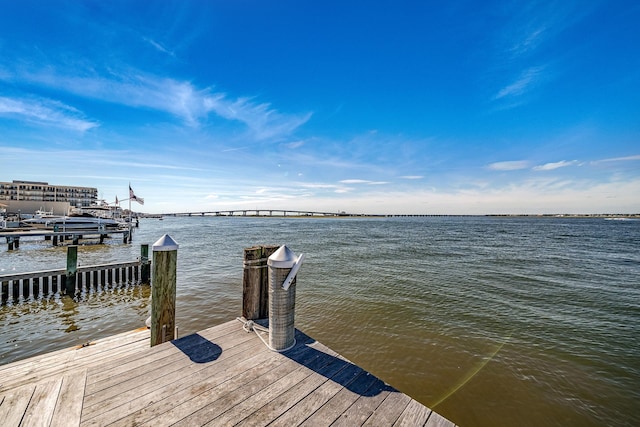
[(283, 266)]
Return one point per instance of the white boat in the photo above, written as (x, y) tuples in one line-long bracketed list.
[(92, 219), (86, 222)]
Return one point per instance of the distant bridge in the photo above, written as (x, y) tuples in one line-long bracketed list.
[(266, 212)]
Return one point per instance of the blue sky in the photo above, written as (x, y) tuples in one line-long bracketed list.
[(373, 107)]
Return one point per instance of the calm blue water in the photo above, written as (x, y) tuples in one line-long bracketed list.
[(489, 321)]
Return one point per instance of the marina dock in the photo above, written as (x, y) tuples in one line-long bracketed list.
[(220, 376), (13, 236)]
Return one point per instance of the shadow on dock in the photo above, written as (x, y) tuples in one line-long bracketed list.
[(336, 369), (198, 348)]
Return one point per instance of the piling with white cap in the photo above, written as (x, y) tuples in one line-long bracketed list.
[(163, 290), (282, 300)]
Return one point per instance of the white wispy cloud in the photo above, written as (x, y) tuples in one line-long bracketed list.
[(363, 181), (295, 144), (535, 23), (529, 40), (46, 112), (618, 159), (354, 181), (412, 177), (264, 121), (158, 46), (182, 99), (555, 165), (528, 78), (519, 40), (318, 185), (509, 165)]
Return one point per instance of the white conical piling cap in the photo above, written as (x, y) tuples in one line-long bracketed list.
[(165, 244), (282, 258)]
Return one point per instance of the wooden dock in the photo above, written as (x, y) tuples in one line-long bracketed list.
[(13, 236), (220, 376)]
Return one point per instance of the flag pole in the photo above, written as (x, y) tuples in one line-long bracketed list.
[(129, 210)]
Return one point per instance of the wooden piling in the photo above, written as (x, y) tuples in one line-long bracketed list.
[(255, 282), (163, 290), (72, 267), (145, 268)]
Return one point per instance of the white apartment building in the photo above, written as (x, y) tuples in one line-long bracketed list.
[(29, 196)]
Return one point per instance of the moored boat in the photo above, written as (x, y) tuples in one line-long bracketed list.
[(85, 222)]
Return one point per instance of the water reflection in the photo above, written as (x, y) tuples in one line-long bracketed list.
[(37, 326), (69, 313)]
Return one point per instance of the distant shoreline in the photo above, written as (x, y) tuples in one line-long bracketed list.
[(346, 215)]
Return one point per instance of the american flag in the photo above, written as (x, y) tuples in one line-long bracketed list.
[(134, 197)]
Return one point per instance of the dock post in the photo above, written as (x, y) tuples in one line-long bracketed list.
[(5, 292), (163, 290), (283, 266), (72, 267), (255, 282), (145, 268), (125, 237), (10, 243), (17, 242), (55, 240)]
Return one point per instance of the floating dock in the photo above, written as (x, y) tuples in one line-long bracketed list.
[(220, 376)]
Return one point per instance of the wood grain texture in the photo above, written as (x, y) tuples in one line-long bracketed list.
[(220, 376)]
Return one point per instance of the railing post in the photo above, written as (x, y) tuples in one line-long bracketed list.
[(145, 267), (72, 267), (283, 266), (5, 292), (163, 290), (255, 282)]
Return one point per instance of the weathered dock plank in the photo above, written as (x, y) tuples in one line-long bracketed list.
[(109, 350), (15, 404), (414, 414), (40, 410), (219, 376), (69, 405), (310, 403), (389, 410)]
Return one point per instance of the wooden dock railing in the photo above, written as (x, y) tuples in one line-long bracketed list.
[(74, 280)]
